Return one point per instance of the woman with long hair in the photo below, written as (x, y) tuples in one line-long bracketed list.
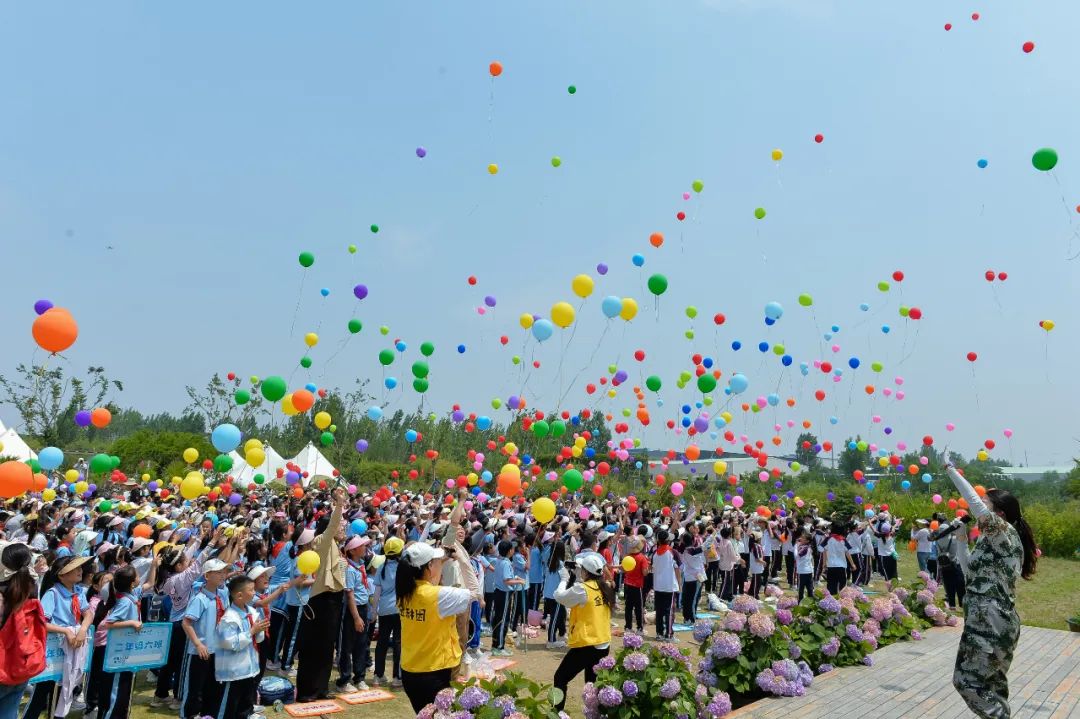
[(591, 603), (1004, 551), (17, 587), (553, 611)]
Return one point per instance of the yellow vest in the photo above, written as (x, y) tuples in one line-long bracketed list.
[(590, 623), (428, 643)]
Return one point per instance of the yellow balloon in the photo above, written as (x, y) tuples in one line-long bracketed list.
[(1048, 325), (322, 420), (493, 169), (777, 155), (543, 510), (311, 339), (145, 478), (72, 475), (628, 564), (575, 451), (582, 285), (175, 480), (611, 393), (579, 442), (191, 455), (526, 320), (192, 486), (982, 455), (511, 469), (48, 494), (81, 487), (287, 406), (883, 462), (255, 457), (252, 444), (720, 467), (511, 448), (726, 415), (629, 308), (473, 479), (308, 562), (562, 314)]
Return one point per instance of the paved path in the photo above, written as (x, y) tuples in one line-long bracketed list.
[(914, 679)]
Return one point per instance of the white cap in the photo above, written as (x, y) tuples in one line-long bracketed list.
[(306, 537), (214, 565), (140, 542), (591, 562), (418, 554), (356, 542), (257, 572)]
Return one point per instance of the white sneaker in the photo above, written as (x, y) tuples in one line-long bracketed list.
[(272, 666), (395, 683), (347, 689), (259, 709), (377, 681), (362, 686)]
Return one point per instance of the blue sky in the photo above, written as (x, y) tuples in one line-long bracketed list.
[(210, 144)]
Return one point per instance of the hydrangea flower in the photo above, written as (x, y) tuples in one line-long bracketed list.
[(720, 705), (635, 662), (830, 604), (785, 668), (463, 714), (444, 700), (725, 645), (831, 647), (924, 596), (744, 604), (901, 594), (703, 630), (670, 688), (868, 660), (916, 635), (707, 678), (784, 616), (806, 674), (872, 640), (609, 696), (952, 621), (632, 641), (506, 704), (881, 609), (606, 663), (772, 590), (871, 628), (629, 689), (473, 698), (793, 650), (932, 586), (427, 712), (734, 621), (706, 664), (761, 625), (672, 652), (786, 603), (853, 633), (825, 668)]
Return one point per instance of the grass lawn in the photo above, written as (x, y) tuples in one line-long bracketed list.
[(1046, 601)]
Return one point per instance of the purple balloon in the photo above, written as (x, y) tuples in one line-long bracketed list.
[(830, 496), (790, 494), (601, 269), (888, 430), (360, 291), (292, 477), (458, 416), (152, 486), (701, 424), (738, 490), (514, 402), (773, 498), (421, 152), (92, 488), (361, 445), (621, 376), (235, 499), (858, 500), (42, 306), (489, 301), (82, 418), (727, 497)]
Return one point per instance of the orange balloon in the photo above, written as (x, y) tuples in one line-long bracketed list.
[(508, 485), (777, 441), (980, 490), (15, 478), (302, 400), (55, 330), (40, 482), (142, 530), (934, 525), (693, 452), (656, 239), (298, 492), (100, 417), (495, 68)]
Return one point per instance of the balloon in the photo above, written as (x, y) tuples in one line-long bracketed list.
[(42, 306), (308, 562), (658, 284), (1028, 46), (386, 357), (543, 509), (611, 306), (273, 388), (653, 383), (656, 239), (355, 326), (1045, 159), (420, 369), (572, 479), (326, 439), (15, 478), (629, 309), (819, 138), (737, 501), (628, 563), (242, 396), (55, 330), (542, 329), (677, 489), (777, 155), (191, 455), (375, 413), (192, 486), (82, 418), (760, 213), (255, 457), (311, 339), (805, 300), (774, 311), (495, 68), (48, 494), (706, 383), (72, 476), (225, 437), (420, 384), (971, 356), (493, 169), (562, 314), (982, 163), (427, 349), (306, 259), (582, 285), (738, 384), (100, 417), (287, 407), (322, 419), (50, 458)]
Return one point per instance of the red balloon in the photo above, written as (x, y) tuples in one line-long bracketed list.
[(989, 444), (719, 318), (826, 367), (504, 339), (472, 279), (820, 394), (928, 440), (915, 313), (232, 376), (948, 26), (971, 356), (990, 276), (680, 216), (898, 276), (819, 138), (975, 16), (1003, 276), (639, 355), (1028, 46), (590, 388)]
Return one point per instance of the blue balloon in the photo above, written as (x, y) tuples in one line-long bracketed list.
[(769, 322), (786, 360), (50, 458), (659, 402), (590, 452), (637, 465), (638, 260), (982, 164), (864, 307), (686, 422), (374, 413), (774, 311), (833, 420), (927, 478), (461, 349), (869, 486), (390, 382), (325, 292), (885, 329), (484, 422), (720, 422), (804, 368), (773, 399), (611, 306), (763, 346), (526, 459), (699, 405), (401, 346), (736, 345), (226, 437), (835, 328), (905, 485), (738, 383), (707, 363), (542, 329), (852, 445), (358, 526), (828, 336), (485, 476), (853, 363), (686, 409), (410, 435), (575, 420), (310, 387)]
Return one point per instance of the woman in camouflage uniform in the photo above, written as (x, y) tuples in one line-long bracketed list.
[(1004, 550)]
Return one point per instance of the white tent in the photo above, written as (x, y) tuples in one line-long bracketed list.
[(12, 445), (243, 473), (311, 461)]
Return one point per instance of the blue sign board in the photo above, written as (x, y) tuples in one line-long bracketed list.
[(54, 656), (130, 651)]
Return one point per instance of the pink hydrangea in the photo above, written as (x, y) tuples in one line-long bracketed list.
[(761, 625), (734, 621)]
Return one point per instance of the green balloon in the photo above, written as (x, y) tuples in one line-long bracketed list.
[(805, 300), (778, 350), (114, 461), (258, 479), (558, 428), (698, 185), (384, 330), (355, 326), (386, 358), (420, 385), (273, 388), (1045, 159), (332, 428), (100, 463), (540, 429), (223, 463), (34, 465), (556, 161), (689, 334), (653, 383), (706, 383), (658, 284), (307, 259), (685, 376), (496, 403), (572, 480), (374, 229), (104, 505), (427, 349), (904, 310), (305, 362), (420, 369), (883, 286), (691, 312), (242, 396), (572, 89), (326, 439), (760, 213), (612, 369), (877, 366)]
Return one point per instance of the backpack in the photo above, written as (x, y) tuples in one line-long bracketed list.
[(22, 644)]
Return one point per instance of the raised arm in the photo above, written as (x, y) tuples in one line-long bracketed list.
[(975, 503)]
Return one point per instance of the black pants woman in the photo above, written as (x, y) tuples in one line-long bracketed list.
[(319, 626)]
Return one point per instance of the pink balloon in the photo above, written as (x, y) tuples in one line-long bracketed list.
[(900, 394), (482, 497), (686, 195), (449, 484), (477, 466), (676, 489), (481, 311), (763, 476), (901, 446), (1009, 433), (799, 503), (737, 501), (950, 426), (790, 423), (836, 378), (872, 448), (876, 419), (762, 402), (479, 456), (817, 364), (352, 489), (776, 428), (583, 513), (836, 348), (899, 380), (468, 506), (887, 392), (936, 499), (924, 461), (552, 476)]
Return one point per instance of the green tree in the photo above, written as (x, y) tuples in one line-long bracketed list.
[(159, 454), (1072, 481), (47, 400), (852, 459), (216, 404)]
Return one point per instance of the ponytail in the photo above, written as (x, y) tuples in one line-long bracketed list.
[(1031, 551), (20, 586), (405, 581), (607, 589)]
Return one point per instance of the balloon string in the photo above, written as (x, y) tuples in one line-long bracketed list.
[(975, 384), (914, 344), (299, 299)]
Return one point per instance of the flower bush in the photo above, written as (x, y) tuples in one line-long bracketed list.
[(651, 681), (513, 696)]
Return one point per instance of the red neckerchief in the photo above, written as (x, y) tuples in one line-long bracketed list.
[(362, 570), (276, 550), (75, 610), (220, 605), (838, 538), (663, 549)]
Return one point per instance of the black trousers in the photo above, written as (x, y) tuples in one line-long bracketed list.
[(489, 602), (634, 599), (955, 587), (168, 678), (41, 700), (114, 695), (727, 584), (556, 623), (931, 567), (888, 566), (202, 693), (690, 592), (421, 687), (835, 579), (664, 609), (741, 574), (776, 559), (766, 559), (500, 620), (789, 565), (319, 625), (712, 571), (236, 698), (352, 651), (576, 660), (756, 580), (287, 636), (97, 676), (536, 593), (806, 583), (389, 626)]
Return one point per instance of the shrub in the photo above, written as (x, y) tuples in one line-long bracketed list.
[(509, 695)]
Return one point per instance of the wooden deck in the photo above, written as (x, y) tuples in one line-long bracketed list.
[(914, 679)]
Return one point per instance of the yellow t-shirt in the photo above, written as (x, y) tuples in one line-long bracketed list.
[(590, 623), (428, 642)]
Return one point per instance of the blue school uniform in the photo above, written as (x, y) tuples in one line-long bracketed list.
[(203, 610)]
